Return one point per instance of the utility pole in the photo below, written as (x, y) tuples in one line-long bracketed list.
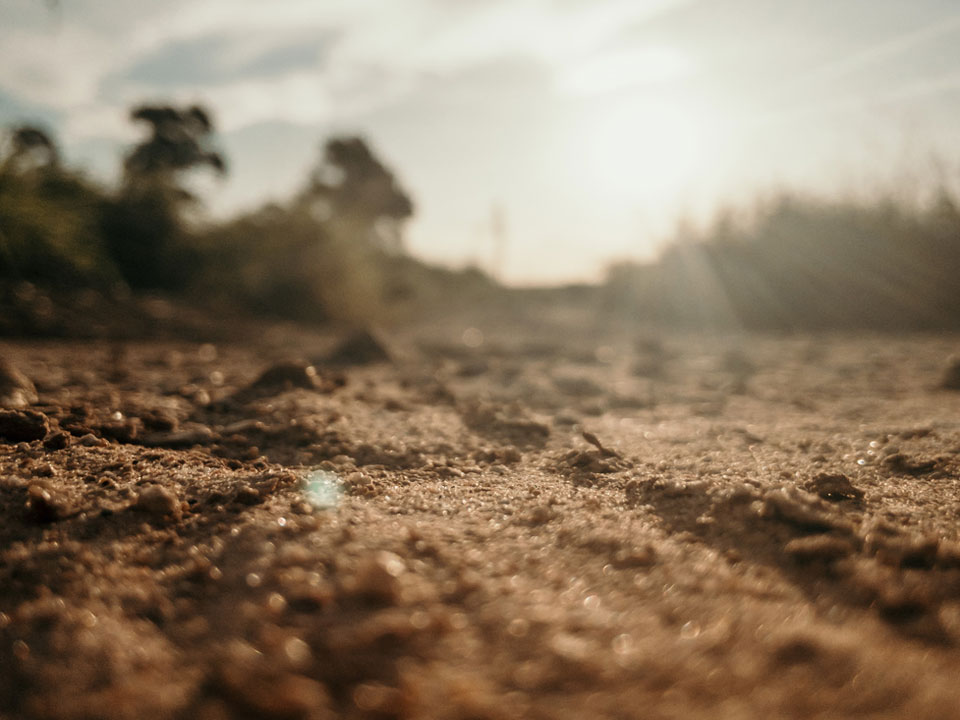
[(498, 236)]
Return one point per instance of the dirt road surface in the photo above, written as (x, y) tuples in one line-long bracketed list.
[(480, 528)]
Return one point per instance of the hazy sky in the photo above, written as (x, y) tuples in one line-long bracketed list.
[(592, 124)]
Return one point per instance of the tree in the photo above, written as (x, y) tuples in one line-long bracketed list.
[(48, 214), (179, 141), (351, 188), (31, 148), (144, 227)]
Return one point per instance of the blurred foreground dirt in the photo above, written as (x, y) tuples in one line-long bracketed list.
[(480, 527)]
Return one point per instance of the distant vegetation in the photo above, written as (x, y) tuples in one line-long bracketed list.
[(332, 251), (797, 263), (335, 250)]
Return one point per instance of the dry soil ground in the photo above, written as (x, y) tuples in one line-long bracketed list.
[(672, 528)]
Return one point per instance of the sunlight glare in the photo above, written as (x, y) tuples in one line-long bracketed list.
[(640, 148)]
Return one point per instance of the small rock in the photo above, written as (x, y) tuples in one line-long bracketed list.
[(898, 462), (56, 441), (124, 431), (364, 347), (158, 500), (16, 389), (23, 425), (43, 506), (159, 420), (834, 487), (286, 376)]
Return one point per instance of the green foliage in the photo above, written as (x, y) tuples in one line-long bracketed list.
[(331, 253), (285, 262), (144, 234), (143, 226), (49, 229)]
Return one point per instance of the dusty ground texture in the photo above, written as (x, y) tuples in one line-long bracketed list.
[(480, 528)]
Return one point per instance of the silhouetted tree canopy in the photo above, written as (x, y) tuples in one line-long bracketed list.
[(180, 139), (351, 184), (31, 147), (144, 226)]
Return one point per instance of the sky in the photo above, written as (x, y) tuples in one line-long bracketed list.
[(585, 129)]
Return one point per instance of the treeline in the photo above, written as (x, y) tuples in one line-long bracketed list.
[(333, 250), (797, 263)]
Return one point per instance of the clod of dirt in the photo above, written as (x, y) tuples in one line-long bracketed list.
[(835, 487), (363, 347), (57, 440), (43, 506), (500, 423), (23, 425), (814, 548), (286, 376), (158, 501), (16, 389), (793, 505), (124, 431), (377, 578), (159, 420), (590, 461), (899, 462), (951, 378), (248, 495)]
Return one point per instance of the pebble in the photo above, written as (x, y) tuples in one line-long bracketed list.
[(42, 505), (797, 507), (286, 376), (56, 440), (158, 500), (834, 486), (363, 347)]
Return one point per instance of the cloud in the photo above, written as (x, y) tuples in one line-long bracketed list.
[(105, 54), (218, 59)]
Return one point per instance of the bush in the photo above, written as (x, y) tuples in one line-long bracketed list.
[(49, 228), (807, 264)]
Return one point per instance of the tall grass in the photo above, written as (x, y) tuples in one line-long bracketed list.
[(796, 262)]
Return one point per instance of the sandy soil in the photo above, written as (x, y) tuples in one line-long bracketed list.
[(592, 528)]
